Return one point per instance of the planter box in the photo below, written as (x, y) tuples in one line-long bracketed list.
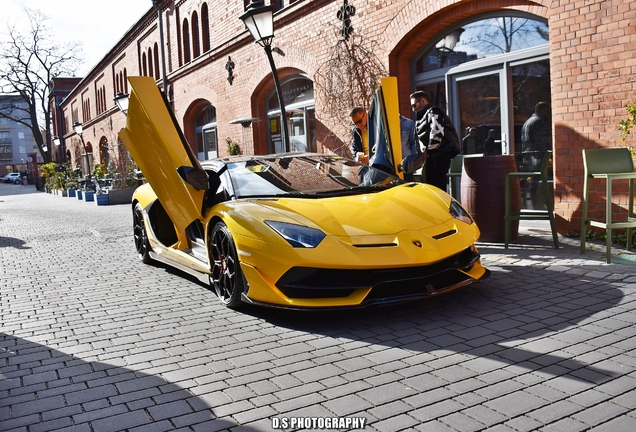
[(89, 196), (79, 194), (101, 199), (71, 193), (120, 196)]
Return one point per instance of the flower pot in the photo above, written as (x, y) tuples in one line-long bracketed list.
[(101, 199), (79, 194), (71, 193), (89, 196), (120, 196)]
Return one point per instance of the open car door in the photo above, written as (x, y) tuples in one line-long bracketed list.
[(155, 142), (385, 111)]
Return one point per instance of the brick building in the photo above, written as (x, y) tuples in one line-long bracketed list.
[(575, 55)]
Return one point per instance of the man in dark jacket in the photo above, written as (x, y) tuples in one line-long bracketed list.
[(438, 139), (362, 140)]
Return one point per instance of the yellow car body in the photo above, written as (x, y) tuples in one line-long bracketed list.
[(341, 247)]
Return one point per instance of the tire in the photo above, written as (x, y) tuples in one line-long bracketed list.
[(227, 279), (140, 235)]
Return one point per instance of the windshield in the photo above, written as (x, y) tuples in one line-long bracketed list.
[(317, 175)]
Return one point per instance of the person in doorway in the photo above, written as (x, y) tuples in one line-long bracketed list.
[(536, 137), (492, 146), (471, 144), (438, 139), (361, 139)]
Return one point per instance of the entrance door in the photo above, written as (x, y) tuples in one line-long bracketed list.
[(210, 142), (479, 102)]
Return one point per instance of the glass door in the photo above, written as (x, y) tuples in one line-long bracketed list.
[(210, 146), (479, 102)]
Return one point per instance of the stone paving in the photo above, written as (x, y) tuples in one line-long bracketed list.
[(93, 340)]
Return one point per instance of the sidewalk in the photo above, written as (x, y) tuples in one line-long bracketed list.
[(93, 340)]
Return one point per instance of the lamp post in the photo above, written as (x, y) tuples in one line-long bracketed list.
[(444, 47), (79, 129), (56, 143), (122, 100), (164, 80), (259, 20)]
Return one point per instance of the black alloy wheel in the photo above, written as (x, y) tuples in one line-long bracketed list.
[(141, 238), (227, 277)]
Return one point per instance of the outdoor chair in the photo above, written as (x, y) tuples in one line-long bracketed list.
[(608, 164), (454, 176), (545, 189)]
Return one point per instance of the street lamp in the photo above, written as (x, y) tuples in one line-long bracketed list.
[(164, 79), (447, 44), (122, 100), (78, 128), (259, 20)]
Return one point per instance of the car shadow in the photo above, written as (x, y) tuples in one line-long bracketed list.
[(512, 318), (13, 242), (45, 386)]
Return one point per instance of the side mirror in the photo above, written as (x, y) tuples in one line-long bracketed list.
[(195, 177)]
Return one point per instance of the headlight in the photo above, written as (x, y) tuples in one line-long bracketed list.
[(458, 212), (297, 235)]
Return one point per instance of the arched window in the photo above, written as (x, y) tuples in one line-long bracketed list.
[(205, 27), (196, 47), (125, 81), (156, 61), (144, 65), (186, 41), (150, 69)]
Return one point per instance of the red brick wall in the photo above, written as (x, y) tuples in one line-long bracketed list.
[(591, 53)]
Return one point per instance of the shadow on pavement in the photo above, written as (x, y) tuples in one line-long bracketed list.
[(513, 318), (13, 242), (58, 390)]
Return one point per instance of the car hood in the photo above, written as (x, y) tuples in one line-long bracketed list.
[(413, 207)]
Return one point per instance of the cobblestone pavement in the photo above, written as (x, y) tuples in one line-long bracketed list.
[(94, 340)]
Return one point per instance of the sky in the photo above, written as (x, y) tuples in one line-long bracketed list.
[(98, 25)]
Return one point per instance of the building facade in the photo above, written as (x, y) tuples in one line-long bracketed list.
[(576, 56), (17, 147)]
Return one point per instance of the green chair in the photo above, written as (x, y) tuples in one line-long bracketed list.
[(454, 176), (608, 164), (545, 189)]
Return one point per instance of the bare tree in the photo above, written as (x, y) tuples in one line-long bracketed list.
[(29, 60), (348, 78)]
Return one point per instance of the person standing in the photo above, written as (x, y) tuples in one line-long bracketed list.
[(536, 137), (438, 139), (409, 146), (362, 141)]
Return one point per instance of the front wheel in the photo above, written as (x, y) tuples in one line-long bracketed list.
[(227, 278), (141, 237)]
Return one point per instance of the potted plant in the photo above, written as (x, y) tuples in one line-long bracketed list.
[(124, 177), (232, 147), (627, 124)]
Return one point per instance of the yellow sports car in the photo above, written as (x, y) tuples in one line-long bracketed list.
[(296, 230)]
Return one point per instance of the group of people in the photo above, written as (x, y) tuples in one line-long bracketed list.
[(437, 141), (431, 141)]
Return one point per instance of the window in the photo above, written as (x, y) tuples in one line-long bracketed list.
[(156, 58), (144, 65), (186, 42), (196, 50), (150, 73), (205, 27)]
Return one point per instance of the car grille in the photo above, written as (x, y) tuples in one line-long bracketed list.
[(387, 284)]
